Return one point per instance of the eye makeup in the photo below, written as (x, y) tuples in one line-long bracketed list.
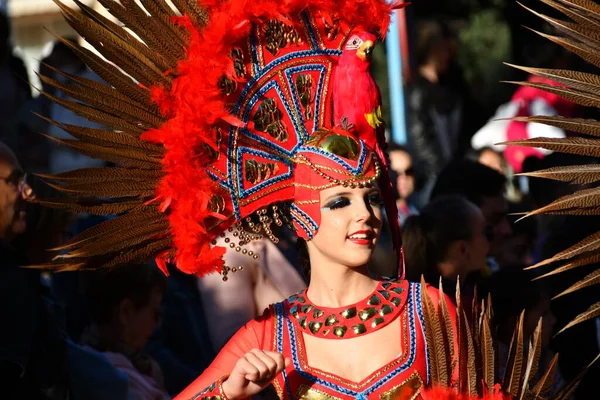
[(373, 198)]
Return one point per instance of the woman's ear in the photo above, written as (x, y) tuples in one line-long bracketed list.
[(126, 311), (457, 251)]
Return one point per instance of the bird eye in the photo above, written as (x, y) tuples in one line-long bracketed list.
[(355, 42)]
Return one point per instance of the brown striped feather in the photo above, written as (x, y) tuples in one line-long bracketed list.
[(155, 56), (512, 375), (95, 115), (91, 206), (109, 73), (106, 174), (113, 106), (592, 312), (122, 156), (108, 138), (583, 259), (141, 216), (105, 90), (575, 174), (589, 280), (579, 97)]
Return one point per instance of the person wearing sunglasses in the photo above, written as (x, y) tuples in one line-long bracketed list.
[(14, 191), (401, 165), (19, 287)]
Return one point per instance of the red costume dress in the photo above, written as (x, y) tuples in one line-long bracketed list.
[(283, 325)]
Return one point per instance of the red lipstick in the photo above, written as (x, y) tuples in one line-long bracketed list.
[(365, 237)]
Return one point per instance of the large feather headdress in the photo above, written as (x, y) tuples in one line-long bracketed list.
[(579, 34), (216, 115)]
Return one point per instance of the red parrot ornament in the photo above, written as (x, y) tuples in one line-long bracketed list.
[(357, 101), (356, 96)]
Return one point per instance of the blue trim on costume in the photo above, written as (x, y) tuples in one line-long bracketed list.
[(339, 160), (272, 142), (273, 64), (279, 340), (422, 323), (303, 68), (312, 223), (240, 165), (410, 302)]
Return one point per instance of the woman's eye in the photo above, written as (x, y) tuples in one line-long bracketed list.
[(376, 200), (337, 203)]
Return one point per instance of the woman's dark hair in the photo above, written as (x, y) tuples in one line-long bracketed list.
[(427, 237), (430, 35), (106, 289)]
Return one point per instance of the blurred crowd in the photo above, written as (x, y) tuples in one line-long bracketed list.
[(131, 333)]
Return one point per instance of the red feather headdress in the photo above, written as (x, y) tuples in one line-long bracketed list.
[(226, 109)]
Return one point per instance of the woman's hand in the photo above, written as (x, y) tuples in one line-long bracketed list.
[(253, 372)]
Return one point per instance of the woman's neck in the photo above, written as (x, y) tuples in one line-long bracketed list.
[(338, 286), (401, 203)]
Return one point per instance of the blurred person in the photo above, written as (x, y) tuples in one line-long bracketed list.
[(401, 166), (435, 116), (525, 102), (448, 239), (15, 89), (267, 279), (484, 187), (125, 308), (31, 339), (493, 159), (186, 344), (512, 292)]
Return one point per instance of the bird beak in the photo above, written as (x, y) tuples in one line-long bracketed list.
[(365, 51)]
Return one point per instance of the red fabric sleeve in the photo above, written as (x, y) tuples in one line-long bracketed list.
[(256, 334)]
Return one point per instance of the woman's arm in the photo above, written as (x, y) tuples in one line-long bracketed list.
[(256, 334)]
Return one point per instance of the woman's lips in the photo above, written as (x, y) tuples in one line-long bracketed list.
[(362, 238)]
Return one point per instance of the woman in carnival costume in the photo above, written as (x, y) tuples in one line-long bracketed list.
[(236, 115)]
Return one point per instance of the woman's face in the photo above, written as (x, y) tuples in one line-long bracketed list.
[(350, 226), (401, 163), (139, 323)]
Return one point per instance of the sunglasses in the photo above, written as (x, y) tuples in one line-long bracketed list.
[(408, 172)]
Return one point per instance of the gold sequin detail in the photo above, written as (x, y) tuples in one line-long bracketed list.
[(314, 326), (340, 331), (216, 204), (278, 35), (257, 171), (374, 300), (407, 390), (385, 310), (359, 329), (349, 313), (331, 320), (305, 392), (367, 313), (377, 321), (268, 119)]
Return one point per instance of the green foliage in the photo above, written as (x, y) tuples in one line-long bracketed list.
[(485, 43)]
